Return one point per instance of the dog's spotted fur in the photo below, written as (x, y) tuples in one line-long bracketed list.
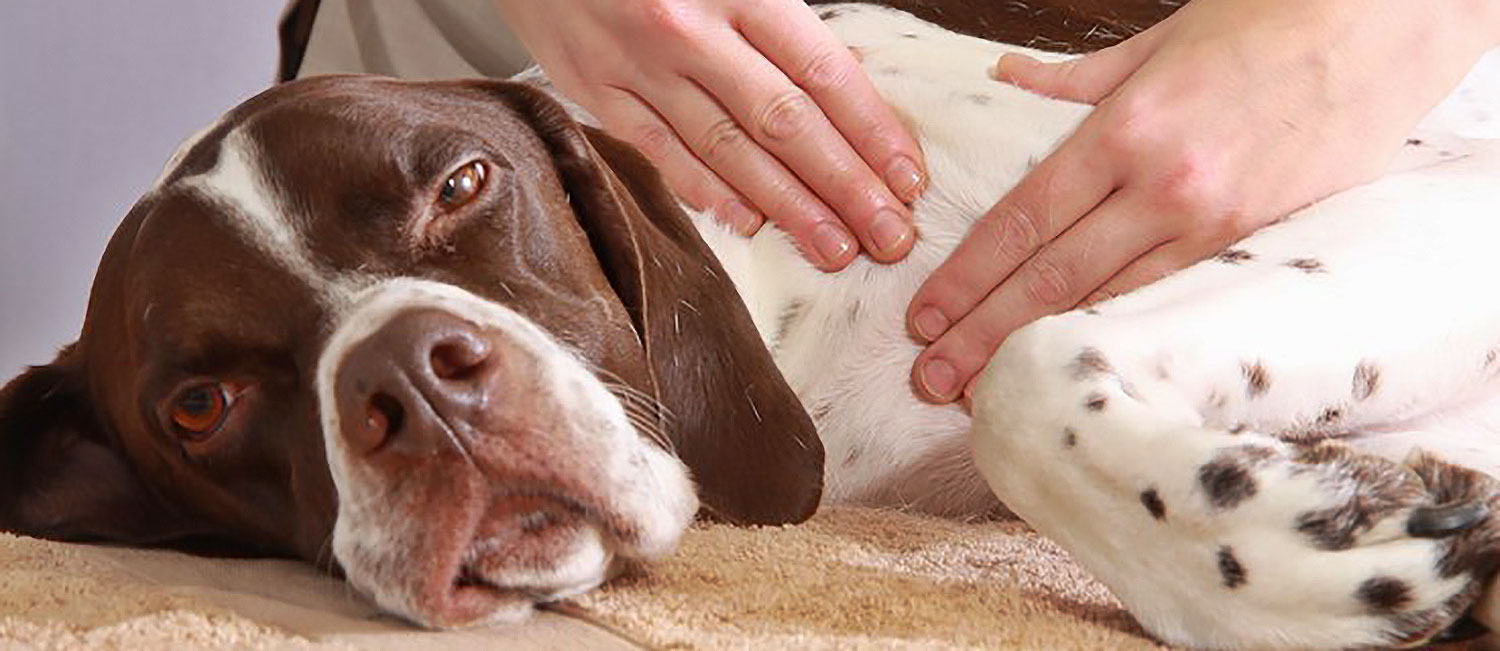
[(1186, 420)]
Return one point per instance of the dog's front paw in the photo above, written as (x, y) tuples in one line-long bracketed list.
[(1234, 540)]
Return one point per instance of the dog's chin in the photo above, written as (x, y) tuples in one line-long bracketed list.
[(523, 551), (495, 565), (482, 548)]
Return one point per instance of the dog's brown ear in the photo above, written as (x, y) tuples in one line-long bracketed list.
[(732, 418), (61, 477)]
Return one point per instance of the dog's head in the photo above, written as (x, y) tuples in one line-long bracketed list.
[(436, 332)]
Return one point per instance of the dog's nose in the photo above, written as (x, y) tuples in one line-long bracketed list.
[(412, 381)]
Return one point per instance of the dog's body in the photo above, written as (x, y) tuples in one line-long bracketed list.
[(474, 400), (1353, 320)]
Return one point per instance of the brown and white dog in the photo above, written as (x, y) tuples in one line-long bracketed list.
[(471, 352)]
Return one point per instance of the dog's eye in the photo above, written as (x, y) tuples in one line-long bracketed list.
[(463, 186), (199, 410)]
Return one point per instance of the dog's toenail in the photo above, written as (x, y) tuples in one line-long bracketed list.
[(1440, 521), (1466, 628)]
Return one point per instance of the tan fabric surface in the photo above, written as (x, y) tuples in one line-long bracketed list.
[(851, 578), (860, 578)]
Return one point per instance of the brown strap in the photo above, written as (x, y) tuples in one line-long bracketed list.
[(1057, 25), (294, 32)]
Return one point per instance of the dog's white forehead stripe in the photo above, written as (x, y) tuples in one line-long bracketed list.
[(257, 212)]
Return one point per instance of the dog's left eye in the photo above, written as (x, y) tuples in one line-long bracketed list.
[(199, 410), (462, 186)]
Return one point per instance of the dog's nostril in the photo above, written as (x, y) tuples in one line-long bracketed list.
[(386, 415), (459, 358)]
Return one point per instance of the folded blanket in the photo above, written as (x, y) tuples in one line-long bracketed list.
[(850, 578)]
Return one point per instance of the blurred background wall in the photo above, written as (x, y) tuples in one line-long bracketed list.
[(94, 96)]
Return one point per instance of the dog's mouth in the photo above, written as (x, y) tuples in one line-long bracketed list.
[(522, 549)]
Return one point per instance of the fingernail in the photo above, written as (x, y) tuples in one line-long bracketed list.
[(904, 179), (930, 323), (739, 216), (889, 232), (939, 379), (832, 243), (1006, 72)]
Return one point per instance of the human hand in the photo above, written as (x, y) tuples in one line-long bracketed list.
[(750, 108), (1214, 123)]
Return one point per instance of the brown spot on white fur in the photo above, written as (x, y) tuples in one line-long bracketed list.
[(1152, 501), (1384, 594), (1306, 265), (1366, 380), (1230, 568), (1257, 378), (1234, 256), (1090, 363), (1226, 480)]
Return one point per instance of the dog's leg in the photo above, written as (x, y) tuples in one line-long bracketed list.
[(1169, 439)]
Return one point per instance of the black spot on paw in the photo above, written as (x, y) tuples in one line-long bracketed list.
[(1366, 380), (1230, 568), (1234, 256), (979, 99), (1306, 265), (1070, 437), (1090, 363), (1091, 311), (1414, 142), (1096, 402), (908, 34), (1152, 501), (1227, 479), (829, 14), (1384, 594), (1257, 378)]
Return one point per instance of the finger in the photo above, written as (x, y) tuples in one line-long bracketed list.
[(717, 140), (797, 42), (623, 112), (1053, 195), (1163, 261), (1054, 280), (787, 123), (1087, 79)]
